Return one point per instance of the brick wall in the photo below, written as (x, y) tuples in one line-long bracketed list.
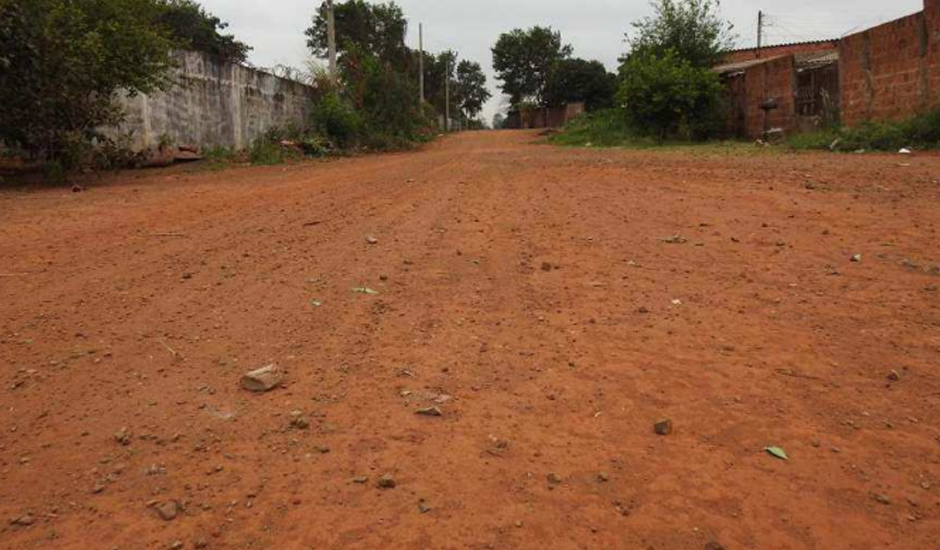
[(550, 117), (886, 71), (774, 80), (932, 23), (787, 49)]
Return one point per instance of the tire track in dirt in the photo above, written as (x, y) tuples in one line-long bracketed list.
[(520, 360)]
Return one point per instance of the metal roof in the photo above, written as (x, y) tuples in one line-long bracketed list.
[(803, 61), (788, 44), (816, 59), (742, 66)]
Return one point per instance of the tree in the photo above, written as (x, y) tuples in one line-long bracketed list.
[(368, 29), (499, 121), (437, 69), (576, 80), (63, 63), (386, 99), (470, 88), (199, 30), (523, 61), (692, 29), (667, 96), (667, 87)]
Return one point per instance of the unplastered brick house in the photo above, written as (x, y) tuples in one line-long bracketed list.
[(890, 71)]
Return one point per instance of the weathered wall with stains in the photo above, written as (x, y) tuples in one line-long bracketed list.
[(893, 70), (215, 104)]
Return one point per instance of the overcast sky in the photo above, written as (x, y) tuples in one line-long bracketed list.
[(594, 27)]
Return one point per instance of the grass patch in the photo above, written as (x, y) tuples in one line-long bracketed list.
[(599, 129), (609, 128), (268, 153), (918, 132)]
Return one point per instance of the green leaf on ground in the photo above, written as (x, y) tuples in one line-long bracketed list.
[(777, 452)]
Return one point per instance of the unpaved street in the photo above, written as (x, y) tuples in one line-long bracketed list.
[(537, 297)]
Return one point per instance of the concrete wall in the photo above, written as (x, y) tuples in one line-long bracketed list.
[(891, 71), (215, 104)]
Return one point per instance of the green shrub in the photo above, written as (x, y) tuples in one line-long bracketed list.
[(664, 96), (315, 146), (924, 130), (336, 120), (62, 63), (921, 132), (219, 154), (606, 128), (266, 153), (268, 150)]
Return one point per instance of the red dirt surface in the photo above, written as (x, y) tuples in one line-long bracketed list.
[(524, 290)]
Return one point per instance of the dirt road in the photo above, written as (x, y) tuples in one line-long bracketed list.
[(536, 296)]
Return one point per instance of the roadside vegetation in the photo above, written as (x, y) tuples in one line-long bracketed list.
[(608, 129), (667, 94), (664, 92), (63, 63), (918, 132), (536, 69)]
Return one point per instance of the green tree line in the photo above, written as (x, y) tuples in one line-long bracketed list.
[(664, 88), (63, 62)]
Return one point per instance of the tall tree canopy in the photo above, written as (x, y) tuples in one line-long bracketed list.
[(574, 80), (369, 29), (666, 83), (64, 60), (438, 68), (471, 89), (199, 30), (523, 60), (692, 29)]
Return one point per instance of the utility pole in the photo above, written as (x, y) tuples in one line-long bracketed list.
[(421, 60), (331, 40), (447, 97), (760, 31)]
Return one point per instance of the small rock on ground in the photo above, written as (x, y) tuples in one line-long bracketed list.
[(298, 421), (663, 427), (168, 510), (24, 521), (263, 379), (123, 437)]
